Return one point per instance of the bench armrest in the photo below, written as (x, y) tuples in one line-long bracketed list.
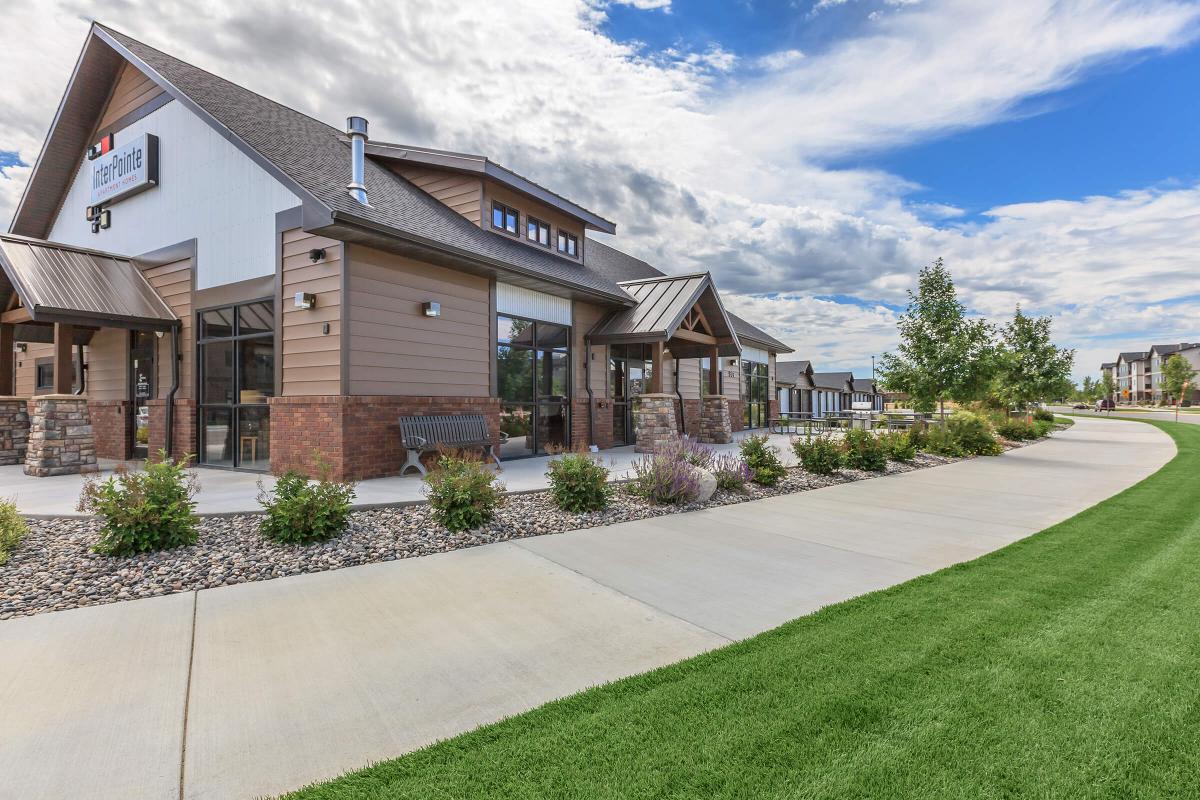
[(417, 442)]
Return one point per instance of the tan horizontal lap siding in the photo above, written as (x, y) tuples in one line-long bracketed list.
[(395, 349), (689, 378), (463, 193), (174, 283), (26, 372), (584, 318), (133, 90), (312, 359), (108, 365)]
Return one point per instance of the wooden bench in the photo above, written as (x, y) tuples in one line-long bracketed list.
[(423, 434)]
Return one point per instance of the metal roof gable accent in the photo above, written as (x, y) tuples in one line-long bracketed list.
[(59, 283), (482, 165), (662, 304)]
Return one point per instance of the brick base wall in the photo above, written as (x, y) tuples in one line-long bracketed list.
[(357, 437), (183, 433), (112, 425), (772, 410), (691, 417), (737, 422)]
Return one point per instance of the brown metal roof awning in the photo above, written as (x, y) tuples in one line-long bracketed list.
[(685, 311), (77, 286)]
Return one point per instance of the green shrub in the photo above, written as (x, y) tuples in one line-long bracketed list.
[(1017, 430), (146, 510), (899, 445), (763, 460), (12, 529), (819, 455), (578, 483), (300, 512), (861, 450), (731, 472), (1043, 414), (462, 492), (1042, 428), (662, 479), (973, 434), (939, 440)]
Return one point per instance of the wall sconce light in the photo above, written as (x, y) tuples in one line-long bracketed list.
[(21, 347), (102, 221), (431, 308), (305, 300), (316, 254)]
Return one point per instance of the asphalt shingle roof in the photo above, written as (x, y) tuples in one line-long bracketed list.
[(316, 156), (832, 380)]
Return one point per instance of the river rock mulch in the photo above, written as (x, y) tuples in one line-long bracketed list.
[(55, 569)]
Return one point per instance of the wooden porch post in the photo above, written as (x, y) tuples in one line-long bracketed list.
[(714, 361), (7, 387), (64, 369), (656, 375)]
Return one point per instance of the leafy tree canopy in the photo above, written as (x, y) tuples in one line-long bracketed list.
[(1029, 365)]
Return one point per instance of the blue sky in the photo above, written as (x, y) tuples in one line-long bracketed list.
[(812, 155)]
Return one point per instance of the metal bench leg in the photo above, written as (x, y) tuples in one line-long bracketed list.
[(413, 460), (489, 454)]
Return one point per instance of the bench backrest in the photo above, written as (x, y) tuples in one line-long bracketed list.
[(452, 430)]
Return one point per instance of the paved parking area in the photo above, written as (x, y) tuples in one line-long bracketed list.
[(300, 679)]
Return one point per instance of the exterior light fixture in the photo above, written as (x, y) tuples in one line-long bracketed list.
[(431, 308), (21, 347), (102, 221), (316, 254), (305, 300)]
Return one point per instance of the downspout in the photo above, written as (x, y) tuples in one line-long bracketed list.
[(679, 394), (82, 371), (587, 377), (170, 410)]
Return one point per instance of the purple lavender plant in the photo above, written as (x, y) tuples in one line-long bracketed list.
[(662, 479), (685, 448), (731, 472)]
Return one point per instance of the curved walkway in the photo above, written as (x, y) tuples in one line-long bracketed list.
[(258, 688)]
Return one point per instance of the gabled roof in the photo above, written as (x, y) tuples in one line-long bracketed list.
[(77, 286), (485, 167), (864, 385), (306, 155), (1108, 365), (749, 333), (1135, 355), (833, 380), (662, 305), (1167, 349), (794, 373)]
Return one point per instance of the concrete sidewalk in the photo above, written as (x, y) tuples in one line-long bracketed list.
[(259, 688)]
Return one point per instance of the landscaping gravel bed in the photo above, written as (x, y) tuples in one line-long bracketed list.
[(55, 568)]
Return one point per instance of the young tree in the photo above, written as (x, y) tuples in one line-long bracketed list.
[(942, 355), (1177, 375), (1030, 367), (1088, 390), (1108, 386)]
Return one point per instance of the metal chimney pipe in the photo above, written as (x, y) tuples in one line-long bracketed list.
[(356, 129)]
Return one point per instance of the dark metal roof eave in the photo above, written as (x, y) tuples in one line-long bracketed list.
[(99, 319), (351, 220)]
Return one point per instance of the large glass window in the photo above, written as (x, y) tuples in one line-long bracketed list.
[(237, 375), (756, 390), (533, 380), (629, 371)]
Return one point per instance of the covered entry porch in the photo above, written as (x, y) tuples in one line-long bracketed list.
[(65, 296), (676, 319)]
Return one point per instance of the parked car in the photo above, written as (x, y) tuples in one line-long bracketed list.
[(1104, 405), (1080, 406)]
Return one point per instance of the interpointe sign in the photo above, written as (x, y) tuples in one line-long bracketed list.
[(126, 170)]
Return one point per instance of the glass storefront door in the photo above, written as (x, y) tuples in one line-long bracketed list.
[(533, 369), (237, 375), (755, 394), (629, 367), (143, 377)]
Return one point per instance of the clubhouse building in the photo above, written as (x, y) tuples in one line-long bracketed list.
[(197, 269)]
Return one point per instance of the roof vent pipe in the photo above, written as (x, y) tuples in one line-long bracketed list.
[(356, 129)]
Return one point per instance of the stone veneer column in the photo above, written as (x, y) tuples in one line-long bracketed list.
[(715, 423), (61, 441), (654, 421), (14, 430)]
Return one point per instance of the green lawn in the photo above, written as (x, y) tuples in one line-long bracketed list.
[(1066, 665)]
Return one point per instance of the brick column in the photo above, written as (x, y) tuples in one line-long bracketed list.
[(715, 427), (112, 425), (61, 441), (183, 429), (654, 421), (14, 430)]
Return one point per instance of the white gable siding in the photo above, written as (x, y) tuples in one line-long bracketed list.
[(522, 302), (208, 190)]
